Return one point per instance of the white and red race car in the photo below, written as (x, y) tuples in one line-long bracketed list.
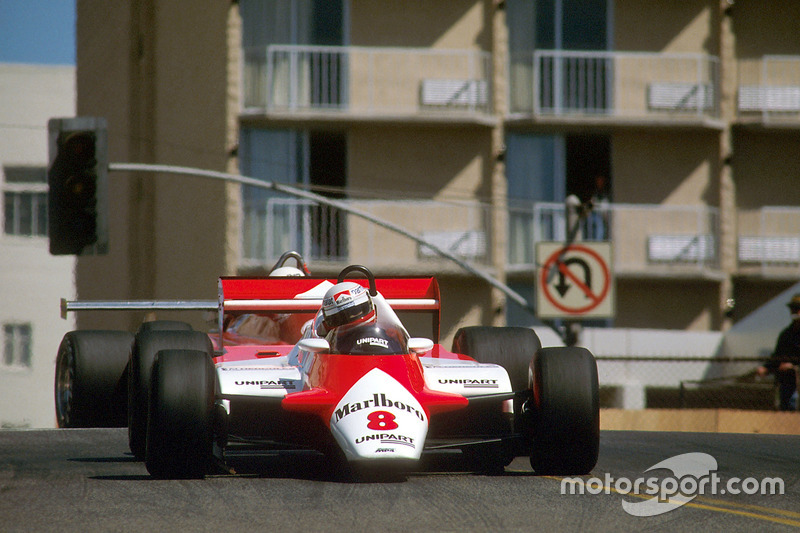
[(270, 377)]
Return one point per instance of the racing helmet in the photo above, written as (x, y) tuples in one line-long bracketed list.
[(346, 303)]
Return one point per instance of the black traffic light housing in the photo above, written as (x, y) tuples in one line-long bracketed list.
[(78, 186)]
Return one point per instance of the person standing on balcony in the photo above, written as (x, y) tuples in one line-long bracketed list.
[(598, 208), (786, 358)]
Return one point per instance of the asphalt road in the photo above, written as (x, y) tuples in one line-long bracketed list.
[(86, 480)]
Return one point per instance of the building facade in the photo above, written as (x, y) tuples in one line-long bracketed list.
[(467, 123), (31, 280)]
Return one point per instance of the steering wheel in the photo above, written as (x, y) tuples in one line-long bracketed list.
[(373, 291)]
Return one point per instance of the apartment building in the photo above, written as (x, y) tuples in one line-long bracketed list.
[(31, 280), (467, 123)]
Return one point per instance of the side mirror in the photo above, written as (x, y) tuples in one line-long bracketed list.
[(419, 345), (314, 345)]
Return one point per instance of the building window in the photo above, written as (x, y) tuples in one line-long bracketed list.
[(274, 223), (25, 201), (17, 345)]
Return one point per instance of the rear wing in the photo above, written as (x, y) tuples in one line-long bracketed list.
[(304, 295), (288, 295), (280, 295)]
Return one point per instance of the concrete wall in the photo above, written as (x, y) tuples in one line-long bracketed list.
[(420, 161), (664, 167), (665, 26), (164, 68), (456, 24), (31, 280), (701, 420), (762, 27)]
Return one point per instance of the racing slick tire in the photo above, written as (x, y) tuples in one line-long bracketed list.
[(565, 412), (90, 379), (512, 348), (147, 344), (509, 347), (179, 424)]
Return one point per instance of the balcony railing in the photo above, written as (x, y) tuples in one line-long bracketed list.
[(366, 80), (769, 241), (658, 240), (646, 238), (614, 85), (769, 88), (328, 234)]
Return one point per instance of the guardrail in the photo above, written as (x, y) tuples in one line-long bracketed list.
[(614, 84), (368, 80)]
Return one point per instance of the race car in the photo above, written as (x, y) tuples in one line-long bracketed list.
[(349, 382)]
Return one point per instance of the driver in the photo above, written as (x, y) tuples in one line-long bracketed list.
[(351, 322)]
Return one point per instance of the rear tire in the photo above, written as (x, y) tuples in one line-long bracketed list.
[(164, 325), (565, 411), (511, 348), (148, 343), (90, 388), (179, 426)]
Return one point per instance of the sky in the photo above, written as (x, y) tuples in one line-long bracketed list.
[(37, 31)]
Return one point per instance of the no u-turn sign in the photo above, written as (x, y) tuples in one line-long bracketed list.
[(574, 280)]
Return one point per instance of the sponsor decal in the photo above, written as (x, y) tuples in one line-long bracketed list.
[(384, 450), (373, 341), (388, 438), (471, 383), (343, 299), (377, 400), (267, 383)]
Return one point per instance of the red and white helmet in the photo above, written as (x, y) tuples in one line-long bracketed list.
[(346, 303)]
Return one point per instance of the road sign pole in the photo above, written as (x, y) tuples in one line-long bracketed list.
[(572, 206)]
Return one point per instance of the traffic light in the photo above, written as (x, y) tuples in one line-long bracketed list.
[(77, 186)]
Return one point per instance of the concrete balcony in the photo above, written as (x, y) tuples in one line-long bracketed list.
[(553, 85), (769, 242), (648, 240), (769, 90), (366, 82), (326, 234)]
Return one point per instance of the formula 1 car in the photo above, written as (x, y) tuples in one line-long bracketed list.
[(275, 373)]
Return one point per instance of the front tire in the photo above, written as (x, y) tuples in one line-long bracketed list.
[(90, 379), (565, 411), (512, 348), (148, 343), (179, 426)]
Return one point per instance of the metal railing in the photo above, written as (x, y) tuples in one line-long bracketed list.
[(769, 240), (369, 80), (645, 237), (657, 239), (769, 88), (614, 84), (325, 233)]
